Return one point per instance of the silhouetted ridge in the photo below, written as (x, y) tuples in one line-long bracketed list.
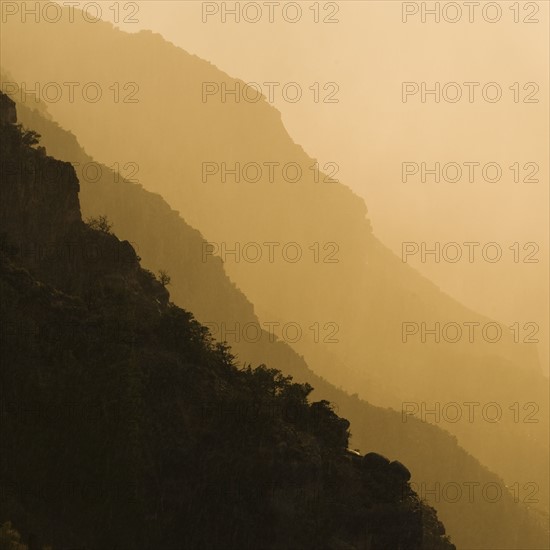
[(165, 241), (129, 427), (171, 131)]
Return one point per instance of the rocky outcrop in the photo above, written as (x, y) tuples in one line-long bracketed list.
[(7, 110), (41, 226), (375, 461), (39, 194)]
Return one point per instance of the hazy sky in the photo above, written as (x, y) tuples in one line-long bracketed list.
[(366, 56)]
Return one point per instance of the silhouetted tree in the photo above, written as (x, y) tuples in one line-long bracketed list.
[(164, 278), (29, 137), (101, 223)]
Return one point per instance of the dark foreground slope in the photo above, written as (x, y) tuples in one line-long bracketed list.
[(125, 426), (165, 241), (172, 132)]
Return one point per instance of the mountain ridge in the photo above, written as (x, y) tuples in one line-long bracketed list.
[(137, 463), (371, 427)]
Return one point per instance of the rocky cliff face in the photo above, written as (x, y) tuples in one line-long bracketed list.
[(40, 195), (41, 222), (7, 110)]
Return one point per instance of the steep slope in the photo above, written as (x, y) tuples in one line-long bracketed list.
[(128, 427), (164, 240), (346, 288)]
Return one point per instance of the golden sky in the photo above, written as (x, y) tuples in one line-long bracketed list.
[(368, 53)]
